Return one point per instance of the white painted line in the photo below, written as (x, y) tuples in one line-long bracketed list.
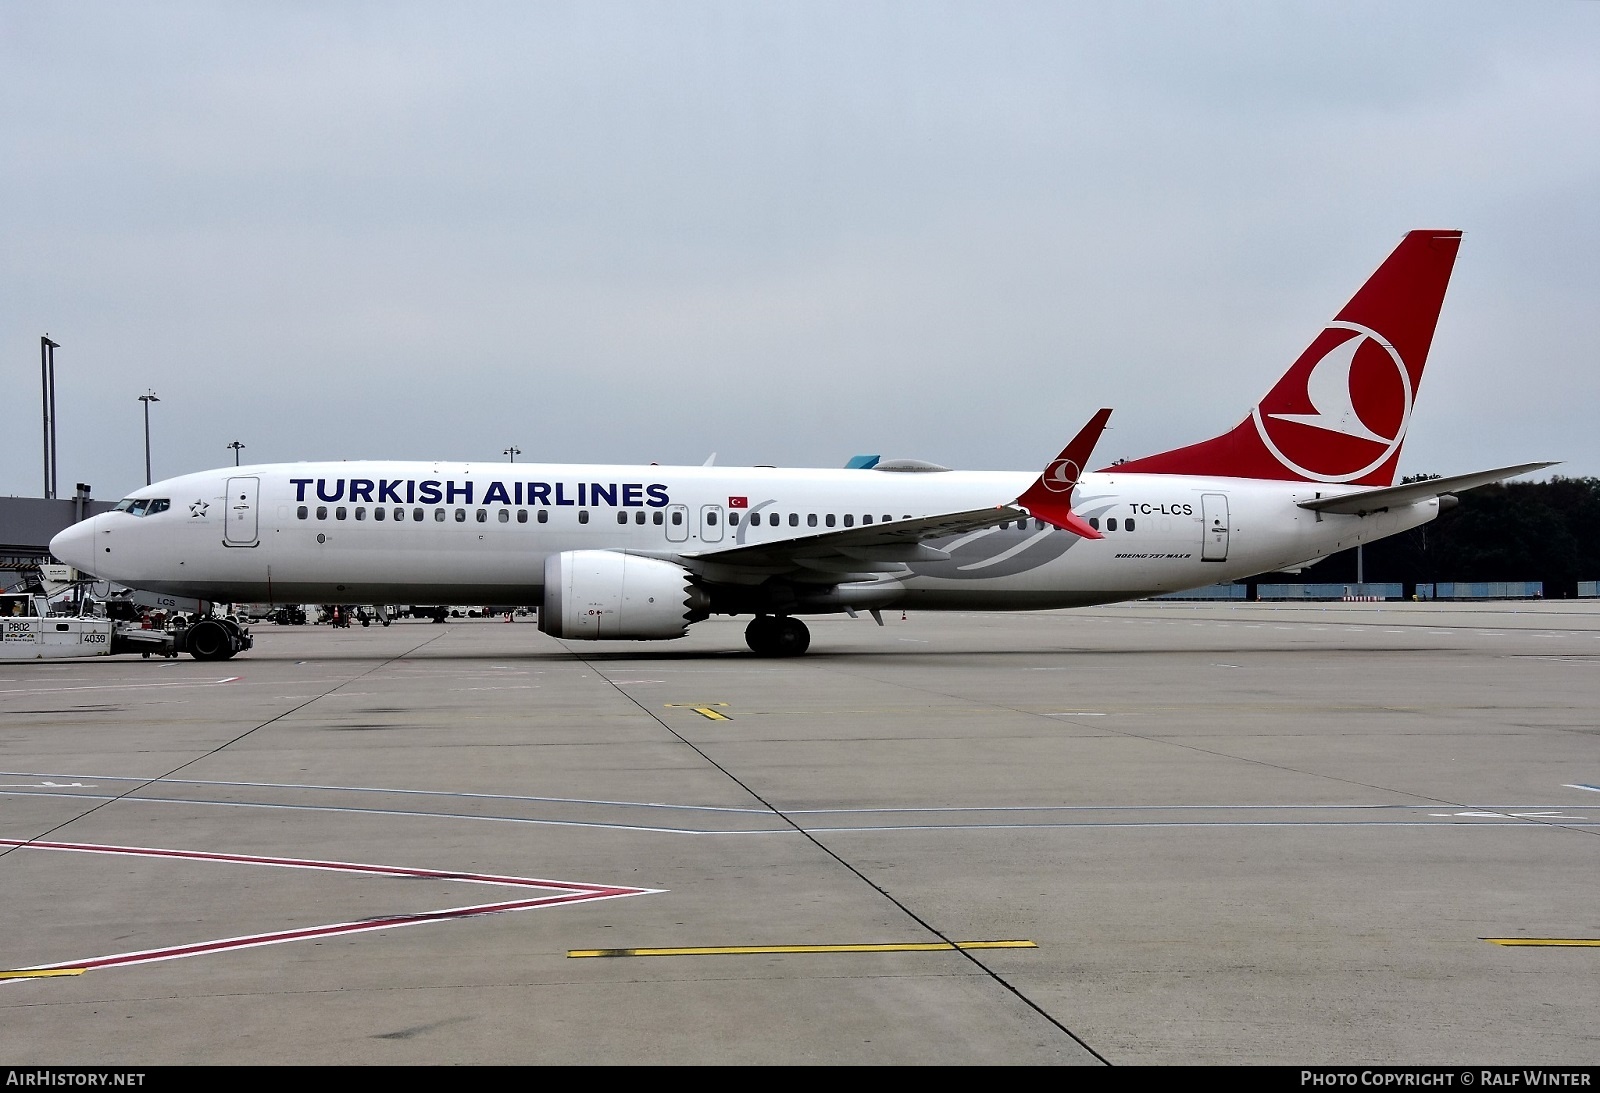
[(119, 686), (561, 892)]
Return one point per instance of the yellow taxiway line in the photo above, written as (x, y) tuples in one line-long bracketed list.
[(725, 950), (43, 973), (703, 709)]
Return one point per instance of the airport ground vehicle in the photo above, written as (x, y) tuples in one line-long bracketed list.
[(29, 631)]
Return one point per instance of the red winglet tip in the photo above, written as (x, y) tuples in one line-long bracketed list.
[(1050, 496), (1065, 519)]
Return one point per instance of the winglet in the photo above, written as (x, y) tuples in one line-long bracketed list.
[(1050, 497)]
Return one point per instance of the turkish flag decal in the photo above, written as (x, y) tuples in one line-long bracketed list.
[(738, 502)]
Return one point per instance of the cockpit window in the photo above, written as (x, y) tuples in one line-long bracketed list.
[(143, 506)]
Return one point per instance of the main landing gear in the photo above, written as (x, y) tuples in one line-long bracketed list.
[(777, 636)]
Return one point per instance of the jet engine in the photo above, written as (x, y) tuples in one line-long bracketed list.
[(594, 594)]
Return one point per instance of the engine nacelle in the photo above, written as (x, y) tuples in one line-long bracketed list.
[(593, 594)]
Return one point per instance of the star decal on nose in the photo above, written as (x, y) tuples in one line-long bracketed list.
[(198, 508)]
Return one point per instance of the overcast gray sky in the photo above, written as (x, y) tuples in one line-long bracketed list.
[(785, 233)]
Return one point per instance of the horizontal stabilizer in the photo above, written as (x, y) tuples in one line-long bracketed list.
[(1409, 493)]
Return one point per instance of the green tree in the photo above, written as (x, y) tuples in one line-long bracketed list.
[(1513, 531)]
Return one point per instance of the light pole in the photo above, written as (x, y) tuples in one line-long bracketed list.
[(47, 385), (513, 452), (147, 400), (236, 446)]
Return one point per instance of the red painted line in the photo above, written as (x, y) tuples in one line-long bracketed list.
[(565, 892)]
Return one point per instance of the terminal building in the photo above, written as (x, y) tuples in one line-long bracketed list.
[(27, 524)]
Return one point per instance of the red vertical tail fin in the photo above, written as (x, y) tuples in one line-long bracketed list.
[(1340, 413)]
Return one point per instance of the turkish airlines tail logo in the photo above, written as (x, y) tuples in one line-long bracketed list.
[(1341, 411)]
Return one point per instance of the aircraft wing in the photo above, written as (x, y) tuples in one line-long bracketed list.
[(864, 552), (1409, 493), (850, 553)]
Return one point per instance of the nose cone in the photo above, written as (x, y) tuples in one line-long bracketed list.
[(75, 545)]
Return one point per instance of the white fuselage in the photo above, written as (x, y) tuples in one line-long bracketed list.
[(479, 533)]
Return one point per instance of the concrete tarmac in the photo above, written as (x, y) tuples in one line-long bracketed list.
[(1172, 833)]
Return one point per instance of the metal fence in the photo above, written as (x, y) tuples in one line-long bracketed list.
[(1482, 590), (1209, 592), (1443, 590)]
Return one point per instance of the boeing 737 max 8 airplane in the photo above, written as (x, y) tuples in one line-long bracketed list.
[(643, 552)]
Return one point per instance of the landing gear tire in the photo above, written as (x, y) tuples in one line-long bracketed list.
[(777, 636)]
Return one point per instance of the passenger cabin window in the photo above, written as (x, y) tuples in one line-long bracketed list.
[(483, 516), (794, 519), (1094, 522), (418, 515), (1127, 525), (828, 520), (399, 514), (340, 513), (622, 517), (301, 512), (505, 516), (638, 517), (811, 520), (544, 516), (522, 516), (461, 516), (656, 517), (1111, 523), (677, 519), (438, 516), (733, 519), (583, 516), (711, 519), (361, 512), (867, 519), (322, 512), (379, 514)]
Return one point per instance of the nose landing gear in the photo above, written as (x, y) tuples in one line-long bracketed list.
[(777, 636)]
